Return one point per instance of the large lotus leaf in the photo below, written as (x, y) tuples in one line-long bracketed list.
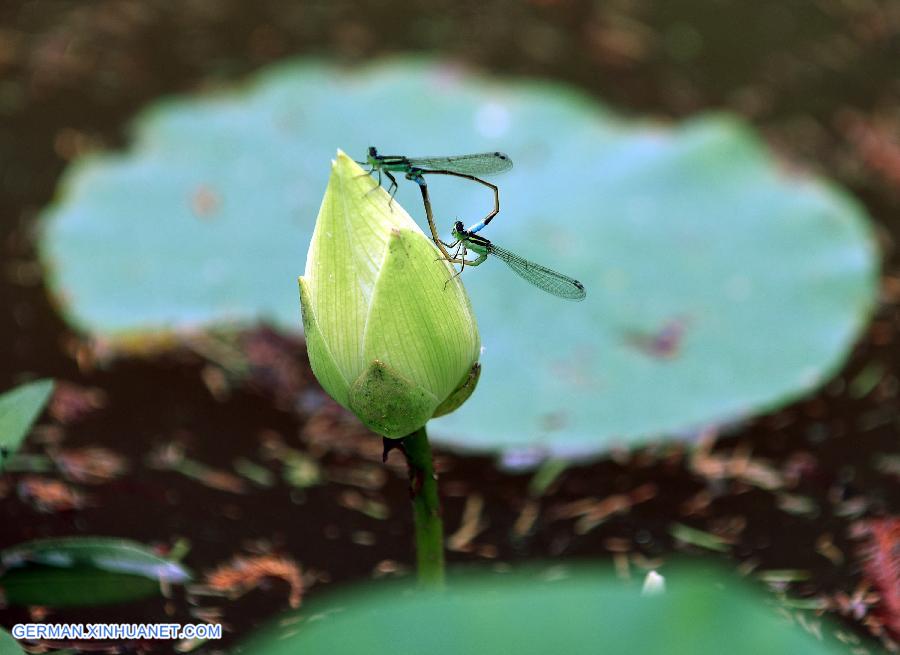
[(590, 611), (718, 282), (8, 645)]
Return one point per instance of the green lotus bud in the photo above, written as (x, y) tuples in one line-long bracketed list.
[(389, 329)]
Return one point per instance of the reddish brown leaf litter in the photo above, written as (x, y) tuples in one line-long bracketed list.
[(875, 142), (328, 504), (881, 567), (738, 465), (471, 525), (591, 512), (272, 365), (72, 403), (243, 574), (91, 465), (49, 495)]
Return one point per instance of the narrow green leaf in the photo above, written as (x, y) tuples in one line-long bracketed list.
[(688, 535), (19, 409), (84, 571)]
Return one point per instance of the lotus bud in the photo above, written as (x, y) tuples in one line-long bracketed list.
[(389, 329)]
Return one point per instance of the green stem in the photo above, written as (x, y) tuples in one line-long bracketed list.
[(426, 509)]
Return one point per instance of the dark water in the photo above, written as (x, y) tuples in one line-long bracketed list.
[(820, 79)]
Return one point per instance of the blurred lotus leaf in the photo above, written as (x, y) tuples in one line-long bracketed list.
[(719, 283), (589, 610), (8, 645)]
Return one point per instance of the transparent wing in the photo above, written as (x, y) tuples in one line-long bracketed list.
[(541, 276), (483, 163)]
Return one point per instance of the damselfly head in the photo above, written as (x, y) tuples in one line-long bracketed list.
[(371, 159), (459, 228)]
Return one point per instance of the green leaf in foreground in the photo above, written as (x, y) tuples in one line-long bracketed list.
[(719, 283), (589, 611), (8, 645), (19, 408), (84, 571)]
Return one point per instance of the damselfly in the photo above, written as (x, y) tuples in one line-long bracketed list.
[(469, 167), (542, 277)]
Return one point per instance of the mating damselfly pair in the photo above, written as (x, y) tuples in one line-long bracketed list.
[(470, 167)]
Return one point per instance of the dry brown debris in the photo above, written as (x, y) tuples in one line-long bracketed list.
[(244, 574)]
